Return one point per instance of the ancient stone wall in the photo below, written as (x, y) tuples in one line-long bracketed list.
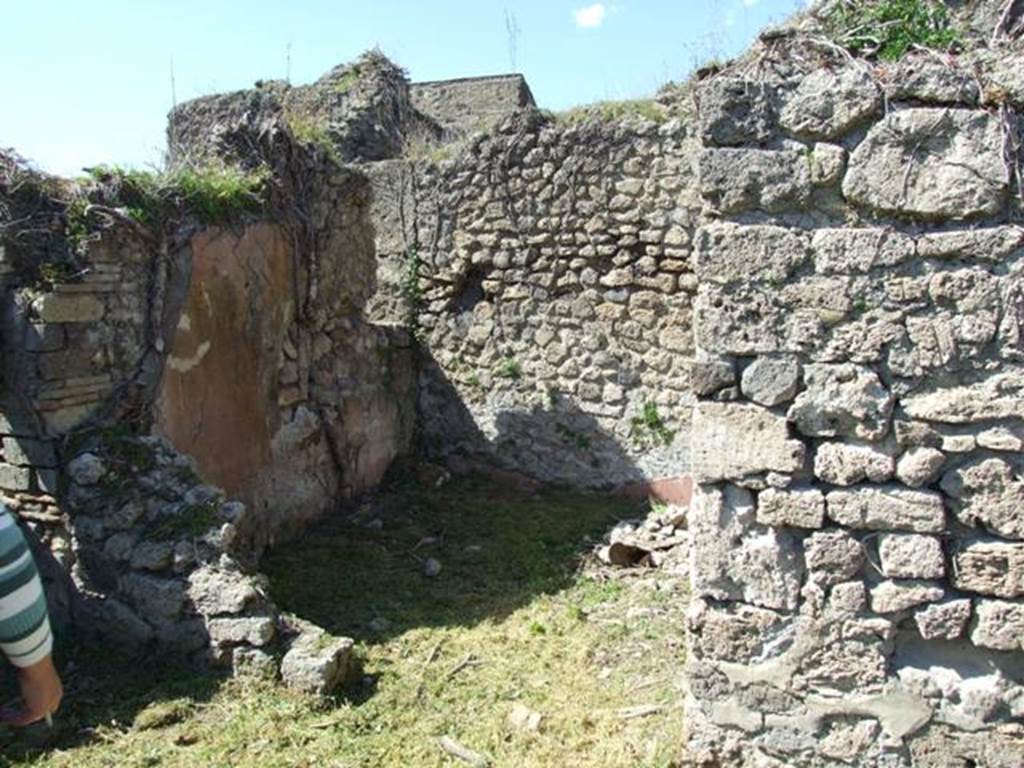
[(471, 104), (243, 350), (546, 269), (857, 523)]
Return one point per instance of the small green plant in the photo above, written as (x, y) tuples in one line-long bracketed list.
[(219, 193), (348, 81), (313, 131), (649, 424), (509, 368), (214, 193), (889, 29), (192, 521), (474, 381), (572, 437)]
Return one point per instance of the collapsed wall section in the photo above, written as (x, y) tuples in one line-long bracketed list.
[(858, 525), (545, 269)]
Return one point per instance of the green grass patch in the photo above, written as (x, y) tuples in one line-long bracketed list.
[(516, 617), (215, 194), (313, 131), (649, 425), (509, 368), (889, 29)]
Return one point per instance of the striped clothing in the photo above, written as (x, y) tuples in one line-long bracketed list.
[(25, 636)]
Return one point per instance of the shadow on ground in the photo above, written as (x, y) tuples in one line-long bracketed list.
[(498, 547), (105, 690)]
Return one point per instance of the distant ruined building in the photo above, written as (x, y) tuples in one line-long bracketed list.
[(788, 292)]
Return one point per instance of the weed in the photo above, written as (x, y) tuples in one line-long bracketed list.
[(192, 521), (313, 131), (348, 80), (889, 29), (650, 425), (572, 437), (215, 194), (474, 381), (219, 193), (509, 368), (613, 111)]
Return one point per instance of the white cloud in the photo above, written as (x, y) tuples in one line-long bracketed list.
[(591, 16), (730, 18), (751, 3)]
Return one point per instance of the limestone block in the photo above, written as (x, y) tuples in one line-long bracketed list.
[(934, 163), (735, 110), (919, 465), (1002, 438), (751, 320), (847, 742), (990, 568), (830, 102), (999, 625), (988, 492), (895, 596), (848, 463), (728, 253), (987, 244), (722, 447), (151, 555), (798, 508), (14, 478), (858, 251), (214, 592), (87, 469), (732, 631), (842, 399), (922, 77), (771, 381), (316, 663), (1000, 396), (943, 621), (734, 558), (828, 164), (117, 621), (709, 376), (887, 508), (911, 556), (154, 598), (251, 630), (68, 308), (832, 557), (848, 598), (1004, 75), (733, 180)]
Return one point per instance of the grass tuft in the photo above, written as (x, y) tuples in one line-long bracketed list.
[(889, 29), (215, 194), (613, 111)]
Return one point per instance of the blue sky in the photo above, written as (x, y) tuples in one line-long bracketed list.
[(89, 81)]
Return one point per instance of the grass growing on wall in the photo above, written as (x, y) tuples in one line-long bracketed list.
[(517, 616), (215, 194), (891, 28), (612, 111)]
